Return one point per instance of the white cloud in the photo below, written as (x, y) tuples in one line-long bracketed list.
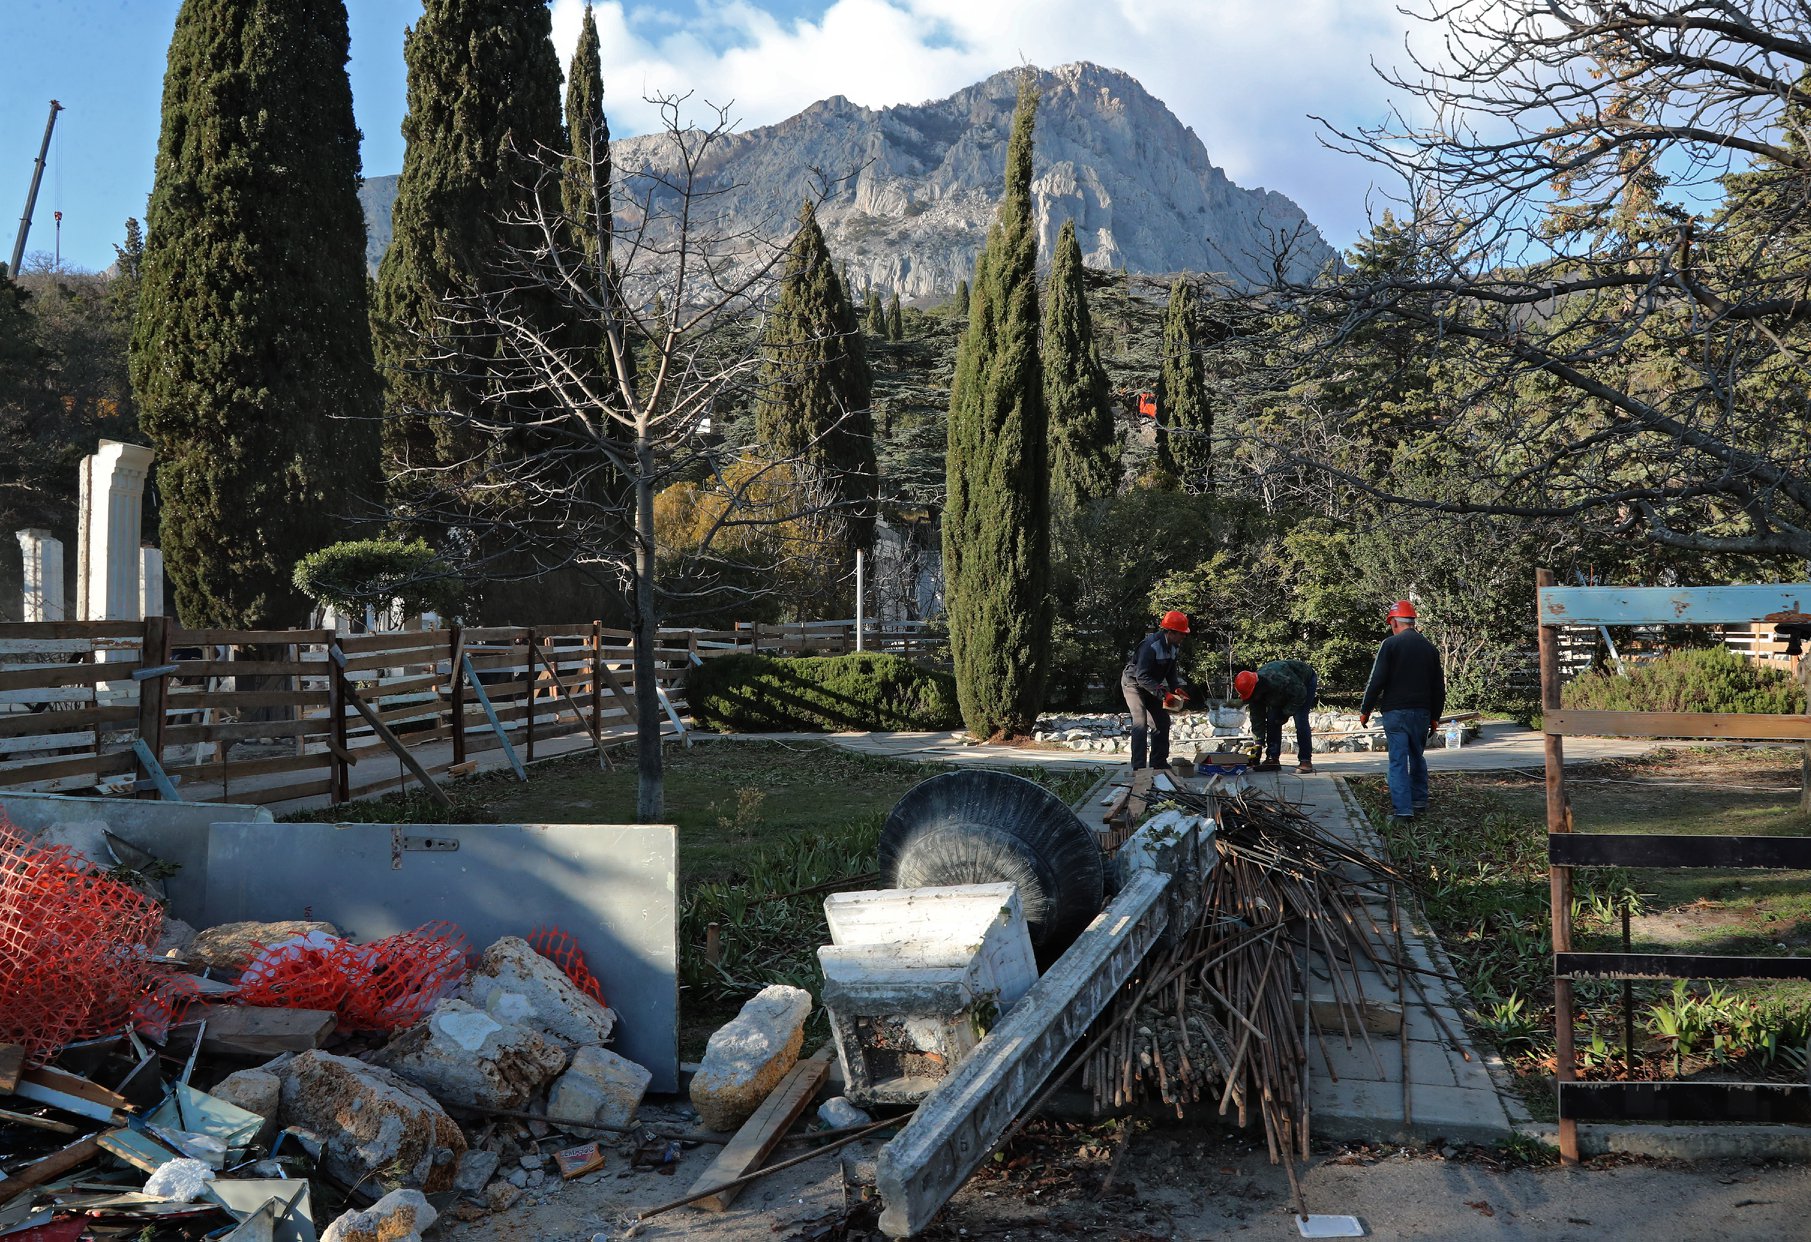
[(1244, 74)]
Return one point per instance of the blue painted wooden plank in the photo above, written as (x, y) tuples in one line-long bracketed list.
[(166, 789), (496, 724), (1709, 605)]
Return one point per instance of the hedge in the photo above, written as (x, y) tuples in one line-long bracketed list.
[(754, 694), (1707, 679)]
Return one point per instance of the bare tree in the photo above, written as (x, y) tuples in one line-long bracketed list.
[(1610, 205), (600, 374)]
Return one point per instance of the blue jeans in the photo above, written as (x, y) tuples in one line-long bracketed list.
[(1405, 729)]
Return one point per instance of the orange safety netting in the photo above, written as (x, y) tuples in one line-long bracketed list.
[(563, 951), (381, 986), (165, 1003), (74, 946)]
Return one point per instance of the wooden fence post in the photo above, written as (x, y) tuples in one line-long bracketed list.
[(340, 775), (152, 695), (456, 692), (530, 675), (1559, 820), (597, 681)]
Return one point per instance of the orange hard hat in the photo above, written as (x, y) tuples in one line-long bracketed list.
[(1246, 683), (1402, 610), (1174, 621)]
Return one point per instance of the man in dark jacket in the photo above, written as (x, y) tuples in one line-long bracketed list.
[(1152, 685), (1278, 690), (1408, 687)]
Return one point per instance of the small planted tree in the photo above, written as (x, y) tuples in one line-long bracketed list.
[(373, 573)]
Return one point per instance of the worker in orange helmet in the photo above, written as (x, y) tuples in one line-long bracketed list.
[(1278, 690), (1153, 687), (1408, 687)]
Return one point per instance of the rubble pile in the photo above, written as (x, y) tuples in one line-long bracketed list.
[(1334, 731), (258, 1078)]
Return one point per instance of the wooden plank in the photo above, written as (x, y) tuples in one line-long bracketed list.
[(83, 765), (71, 629), (409, 640), (402, 752), (1678, 966), (50, 1168), (1712, 605), (87, 739), (248, 638), (762, 1132), (249, 668), (255, 1030), (245, 769), (401, 659), (25, 724), (12, 1064), (284, 793), (45, 676), (38, 1123), (69, 1092), (1743, 726), (62, 646), (1777, 1103), (182, 699), (493, 633), (238, 731), (1597, 849)]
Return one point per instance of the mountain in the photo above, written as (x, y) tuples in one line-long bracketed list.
[(914, 187)]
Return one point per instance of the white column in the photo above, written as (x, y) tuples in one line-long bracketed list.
[(82, 538), (43, 578), (150, 582), (114, 520)]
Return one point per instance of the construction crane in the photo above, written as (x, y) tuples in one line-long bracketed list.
[(31, 195)]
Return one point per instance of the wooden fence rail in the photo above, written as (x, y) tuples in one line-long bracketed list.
[(276, 715)]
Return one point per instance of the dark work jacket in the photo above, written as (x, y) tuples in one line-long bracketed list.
[(1406, 675), (1152, 667), (1282, 689)]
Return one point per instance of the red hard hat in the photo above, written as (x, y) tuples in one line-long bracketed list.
[(1245, 683), (1403, 610), (1173, 620)]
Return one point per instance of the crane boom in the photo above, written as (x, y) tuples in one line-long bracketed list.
[(31, 195)]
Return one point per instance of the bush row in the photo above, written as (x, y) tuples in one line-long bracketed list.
[(755, 694)]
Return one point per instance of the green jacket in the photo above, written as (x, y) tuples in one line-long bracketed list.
[(1282, 689)]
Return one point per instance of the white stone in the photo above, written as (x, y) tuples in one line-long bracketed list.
[(41, 590), (746, 1058), (599, 1087), (179, 1181), (837, 1112), (513, 983), (111, 522), (399, 1216), (256, 1091), (465, 1056), (371, 1121)]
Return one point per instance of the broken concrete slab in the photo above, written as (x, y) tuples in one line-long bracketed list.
[(464, 1056), (599, 1087), (256, 1091), (399, 1216), (229, 947), (476, 1168), (746, 1058), (372, 1121), (515, 984)]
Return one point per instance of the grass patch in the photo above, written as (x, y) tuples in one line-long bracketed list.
[(1480, 856)]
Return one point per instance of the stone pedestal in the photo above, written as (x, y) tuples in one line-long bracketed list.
[(42, 590), (112, 517)]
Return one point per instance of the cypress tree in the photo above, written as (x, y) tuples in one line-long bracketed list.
[(250, 359), (585, 184), (1084, 456), (484, 101), (962, 297), (875, 314), (815, 388), (996, 522), (895, 319), (1185, 423)]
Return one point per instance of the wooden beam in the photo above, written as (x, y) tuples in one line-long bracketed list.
[(389, 739), (261, 1031), (1714, 605), (1741, 726), (1559, 879), (761, 1133), (50, 1168)]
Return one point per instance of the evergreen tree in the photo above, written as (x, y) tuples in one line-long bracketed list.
[(1185, 423), (874, 315), (250, 357), (484, 102), (962, 297), (1084, 454), (585, 185), (895, 319), (814, 397), (996, 522)]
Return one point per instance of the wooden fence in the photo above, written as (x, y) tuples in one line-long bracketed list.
[(271, 716)]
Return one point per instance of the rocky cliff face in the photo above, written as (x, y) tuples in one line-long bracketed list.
[(913, 188)]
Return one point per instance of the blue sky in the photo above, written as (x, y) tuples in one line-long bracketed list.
[(1243, 73)]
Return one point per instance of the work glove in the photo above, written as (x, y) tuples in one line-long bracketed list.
[(1175, 700), (1364, 720)]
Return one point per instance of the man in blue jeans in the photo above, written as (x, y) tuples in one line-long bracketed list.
[(1409, 688)]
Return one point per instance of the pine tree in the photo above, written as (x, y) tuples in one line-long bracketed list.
[(816, 383), (895, 319), (1185, 423), (1084, 455), (484, 102), (996, 522), (250, 358)]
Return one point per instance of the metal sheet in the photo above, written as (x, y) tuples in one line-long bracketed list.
[(1720, 605), (611, 886)]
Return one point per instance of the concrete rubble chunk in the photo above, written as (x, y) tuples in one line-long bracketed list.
[(399, 1216), (515, 984), (476, 1168), (256, 1091), (465, 1056), (174, 940), (372, 1122), (600, 1087), (746, 1057), (230, 946)]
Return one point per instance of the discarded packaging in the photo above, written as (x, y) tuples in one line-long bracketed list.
[(578, 1161)]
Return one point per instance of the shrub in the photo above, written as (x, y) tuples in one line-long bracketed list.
[(1708, 679), (357, 572), (750, 693)]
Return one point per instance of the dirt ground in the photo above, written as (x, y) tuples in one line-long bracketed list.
[(1182, 1182)]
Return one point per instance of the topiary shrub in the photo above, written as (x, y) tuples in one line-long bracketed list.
[(754, 694), (357, 572), (1707, 679)]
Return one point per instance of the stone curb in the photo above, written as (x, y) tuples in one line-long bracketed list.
[(1683, 1142)]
